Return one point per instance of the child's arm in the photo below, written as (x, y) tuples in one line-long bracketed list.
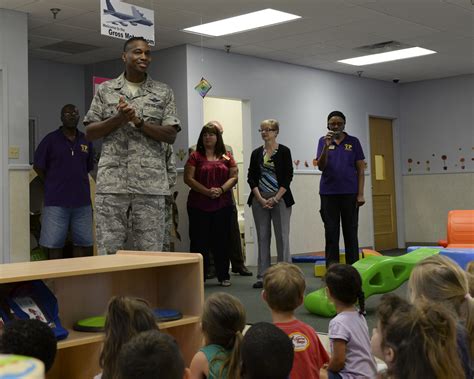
[(338, 357), (199, 366)]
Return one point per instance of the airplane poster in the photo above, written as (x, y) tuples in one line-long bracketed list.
[(123, 21)]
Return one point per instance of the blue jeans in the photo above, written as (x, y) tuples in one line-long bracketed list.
[(55, 222)]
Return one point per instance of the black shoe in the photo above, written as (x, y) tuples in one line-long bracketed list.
[(258, 284), (242, 271), (210, 275)]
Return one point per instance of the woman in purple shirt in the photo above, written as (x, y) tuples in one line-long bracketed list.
[(341, 160), (211, 172)]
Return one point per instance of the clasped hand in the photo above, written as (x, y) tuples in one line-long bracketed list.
[(126, 113), (215, 192), (268, 203)]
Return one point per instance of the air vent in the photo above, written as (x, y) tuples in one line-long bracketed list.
[(382, 47), (68, 47)]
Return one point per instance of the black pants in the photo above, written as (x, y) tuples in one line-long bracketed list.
[(336, 210), (236, 253), (210, 232)]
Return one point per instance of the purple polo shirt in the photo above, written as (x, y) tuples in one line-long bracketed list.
[(340, 175), (66, 165)]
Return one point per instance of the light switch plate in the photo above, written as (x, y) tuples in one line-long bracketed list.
[(14, 152)]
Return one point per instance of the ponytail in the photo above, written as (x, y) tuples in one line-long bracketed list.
[(469, 321), (438, 331), (234, 362), (361, 298)]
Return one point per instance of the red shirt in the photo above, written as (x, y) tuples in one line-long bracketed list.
[(310, 354), (210, 174)]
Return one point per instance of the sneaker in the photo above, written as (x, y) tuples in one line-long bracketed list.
[(258, 284), (225, 283)]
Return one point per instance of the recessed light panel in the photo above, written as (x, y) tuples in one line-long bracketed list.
[(388, 56), (242, 23)]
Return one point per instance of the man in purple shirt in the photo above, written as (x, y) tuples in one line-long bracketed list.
[(341, 160), (62, 160)]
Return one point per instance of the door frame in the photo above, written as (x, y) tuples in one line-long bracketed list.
[(4, 171), (397, 176)]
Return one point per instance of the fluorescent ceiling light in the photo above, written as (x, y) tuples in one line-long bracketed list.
[(388, 56), (242, 23)]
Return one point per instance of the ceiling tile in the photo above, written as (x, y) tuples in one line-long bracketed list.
[(60, 30), (35, 42), (89, 20), (42, 9), (13, 4)]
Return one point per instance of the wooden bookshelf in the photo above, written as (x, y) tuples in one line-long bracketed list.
[(83, 287)]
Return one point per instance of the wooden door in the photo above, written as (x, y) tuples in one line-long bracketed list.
[(383, 184)]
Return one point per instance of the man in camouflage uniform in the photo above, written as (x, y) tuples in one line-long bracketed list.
[(136, 117)]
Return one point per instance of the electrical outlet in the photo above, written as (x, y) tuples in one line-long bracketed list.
[(14, 152)]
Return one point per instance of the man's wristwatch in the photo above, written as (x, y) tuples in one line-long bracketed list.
[(140, 124)]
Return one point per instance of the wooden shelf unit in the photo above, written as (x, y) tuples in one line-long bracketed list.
[(83, 287)]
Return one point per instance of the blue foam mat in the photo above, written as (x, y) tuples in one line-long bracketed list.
[(462, 256), (306, 258)]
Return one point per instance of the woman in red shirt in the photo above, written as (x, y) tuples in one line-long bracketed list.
[(211, 172)]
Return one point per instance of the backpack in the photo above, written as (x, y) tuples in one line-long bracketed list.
[(32, 300)]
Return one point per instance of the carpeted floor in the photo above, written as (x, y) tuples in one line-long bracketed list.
[(258, 311)]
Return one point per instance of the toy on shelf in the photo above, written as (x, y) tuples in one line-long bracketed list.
[(379, 274)]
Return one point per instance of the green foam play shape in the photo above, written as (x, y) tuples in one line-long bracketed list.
[(380, 274), (90, 324)]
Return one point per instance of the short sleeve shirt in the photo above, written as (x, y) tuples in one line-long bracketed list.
[(310, 354), (339, 177), (351, 327), (66, 165), (131, 161), (210, 174)]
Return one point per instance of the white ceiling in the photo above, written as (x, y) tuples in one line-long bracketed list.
[(328, 31)]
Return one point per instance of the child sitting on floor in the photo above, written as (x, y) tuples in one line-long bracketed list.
[(348, 332), (223, 320), (415, 341), (151, 355), (267, 353), (126, 317), (31, 338), (439, 280), (283, 291)]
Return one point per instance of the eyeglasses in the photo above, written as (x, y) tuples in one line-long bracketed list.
[(266, 130), (336, 123)]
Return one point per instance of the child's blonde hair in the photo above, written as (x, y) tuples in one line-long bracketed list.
[(439, 280), (284, 286), (422, 337), (223, 321), (470, 276)]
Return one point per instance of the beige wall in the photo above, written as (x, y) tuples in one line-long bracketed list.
[(19, 215), (427, 200), (229, 114)]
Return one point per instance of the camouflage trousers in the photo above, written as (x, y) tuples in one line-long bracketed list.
[(142, 218)]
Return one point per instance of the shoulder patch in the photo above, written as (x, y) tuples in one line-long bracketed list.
[(300, 341)]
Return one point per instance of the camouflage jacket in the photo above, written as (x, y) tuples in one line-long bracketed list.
[(131, 161)]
